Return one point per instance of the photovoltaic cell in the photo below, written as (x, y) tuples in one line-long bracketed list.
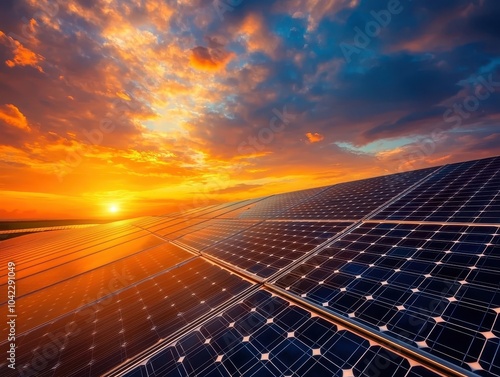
[(97, 337), (178, 229), (432, 286), (215, 231), (79, 263), (354, 200), (115, 248), (273, 245), (466, 192), (217, 210), (267, 336), (59, 299), (273, 206), (32, 253), (238, 207)]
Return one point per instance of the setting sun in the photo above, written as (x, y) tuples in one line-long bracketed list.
[(113, 208)]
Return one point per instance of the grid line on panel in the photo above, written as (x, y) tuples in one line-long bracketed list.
[(217, 232), (254, 279), (271, 246), (355, 224), (139, 359), (224, 208), (165, 228), (237, 207), (408, 222), (109, 295), (190, 250), (47, 264), (68, 295), (34, 277), (381, 280), (310, 254), (308, 323), (180, 230), (403, 193), (355, 199), (200, 250), (76, 240), (46, 229), (461, 192), (140, 302), (272, 211), (442, 366)]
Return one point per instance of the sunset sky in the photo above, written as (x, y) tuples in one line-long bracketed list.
[(130, 108)]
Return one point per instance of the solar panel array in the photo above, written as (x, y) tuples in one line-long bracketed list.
[(389, 276), (354, 200), (464, 192)]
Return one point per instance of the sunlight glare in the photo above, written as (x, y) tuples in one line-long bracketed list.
[(113, 208)]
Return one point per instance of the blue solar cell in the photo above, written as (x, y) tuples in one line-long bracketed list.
[(465, 192), (291, 342), (413, 288)]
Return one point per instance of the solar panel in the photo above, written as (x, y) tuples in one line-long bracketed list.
[(268, 336), (217, 210), (466, 192), (37, 277), (236, 208), (68, 295), (112, 329), (413, 282), (177, 229), (273, 206), (389, 276), (67, 243), (273, 245), (354, 200), (215, 231)]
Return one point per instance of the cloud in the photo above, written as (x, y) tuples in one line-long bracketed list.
[(22, 55), (210, 59), (11, 115), (240, 188), (314, 137)]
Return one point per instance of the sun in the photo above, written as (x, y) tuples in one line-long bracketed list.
[(113, 208)]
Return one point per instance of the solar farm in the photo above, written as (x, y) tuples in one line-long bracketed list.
[(389, 276)]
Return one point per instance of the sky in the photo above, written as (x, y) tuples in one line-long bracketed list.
[(123, 108)]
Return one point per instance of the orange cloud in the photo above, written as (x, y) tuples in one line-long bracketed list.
[(314, 137), (209, 59), (11, 115), (22, 55), (257, 35)]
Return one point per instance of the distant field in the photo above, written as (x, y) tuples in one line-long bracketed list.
[(11, 225), (7, 225)]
